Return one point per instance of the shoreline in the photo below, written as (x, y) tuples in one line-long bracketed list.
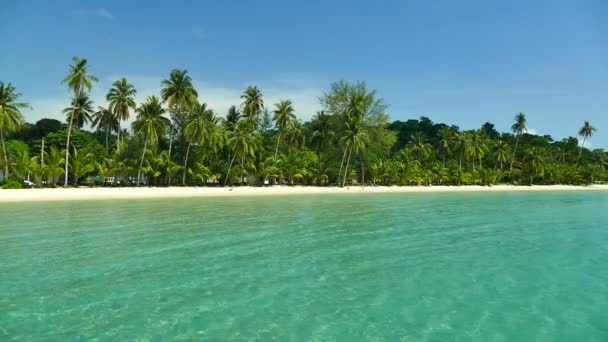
[(81, 194)]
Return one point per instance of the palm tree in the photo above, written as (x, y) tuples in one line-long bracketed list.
[(519, 128), (179, 95), (252, 105), (322, 133), (477, 147), (243, 142), (283, 117), (81, 165), (80, 111), (446, 136), (232, 118), (419, 146), (461, 146), (104, 119), (586, 132), (150, 124), (78, 78), (295, 133), (501, 152), (10, 115), (535, 160), (54, 162), (198, 130), (354, 139), (121, 98)]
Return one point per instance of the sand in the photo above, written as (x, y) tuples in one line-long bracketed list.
[(80, 194)]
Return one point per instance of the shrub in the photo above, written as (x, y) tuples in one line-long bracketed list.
[(12, 184)]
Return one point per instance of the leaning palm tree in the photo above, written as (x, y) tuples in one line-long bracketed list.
[(283, 117), (197, 130), (10, 115), (252, 105), (519, 128), (79, 78), (150, 124), (586, 132), (179, 95), (354, 139), (104, 119), (121, 98)]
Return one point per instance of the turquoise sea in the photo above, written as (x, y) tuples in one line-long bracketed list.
[(365, 267)]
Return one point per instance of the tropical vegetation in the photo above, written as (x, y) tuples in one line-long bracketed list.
[(176, 138)]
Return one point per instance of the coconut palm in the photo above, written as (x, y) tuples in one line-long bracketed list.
[(586, 132), (477, 147), (79, 78), (150, 125), (446, 136), (232, 118), (121, 99), (198, 130), (535, 162), (419, 146), (54, 164), (10, 115), (283, 117), (80, 164), (243, 142), (179, 95), (253, 103), (461, 146), (501, 153), (295, 133), (353, 140), (322, 133), (519, 128), (104, 119), (80, 111)]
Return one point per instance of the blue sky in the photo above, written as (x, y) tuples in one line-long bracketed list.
[(461, 62)]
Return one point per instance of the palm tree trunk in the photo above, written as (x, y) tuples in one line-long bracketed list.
[(5, 155), (346, 170), (186, 165), (277, 149), (513, 157), (142, 162), (460, 162), (341, 164), (580, 151), (229, 167), (170, 138), (67, 149), (118, 135), (107, 145), (362, 172)]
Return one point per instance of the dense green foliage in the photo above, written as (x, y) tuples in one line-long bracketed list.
[(175, 139)]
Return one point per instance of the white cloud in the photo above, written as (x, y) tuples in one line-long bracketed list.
[(100, 12), (532, 131)]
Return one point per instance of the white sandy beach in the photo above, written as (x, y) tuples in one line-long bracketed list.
[(79, 194)]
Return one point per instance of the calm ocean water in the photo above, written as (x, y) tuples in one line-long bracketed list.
[(381, 267)]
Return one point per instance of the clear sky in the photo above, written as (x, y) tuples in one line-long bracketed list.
[(460, 62)]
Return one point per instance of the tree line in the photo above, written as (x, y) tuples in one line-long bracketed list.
[(175, 139)]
